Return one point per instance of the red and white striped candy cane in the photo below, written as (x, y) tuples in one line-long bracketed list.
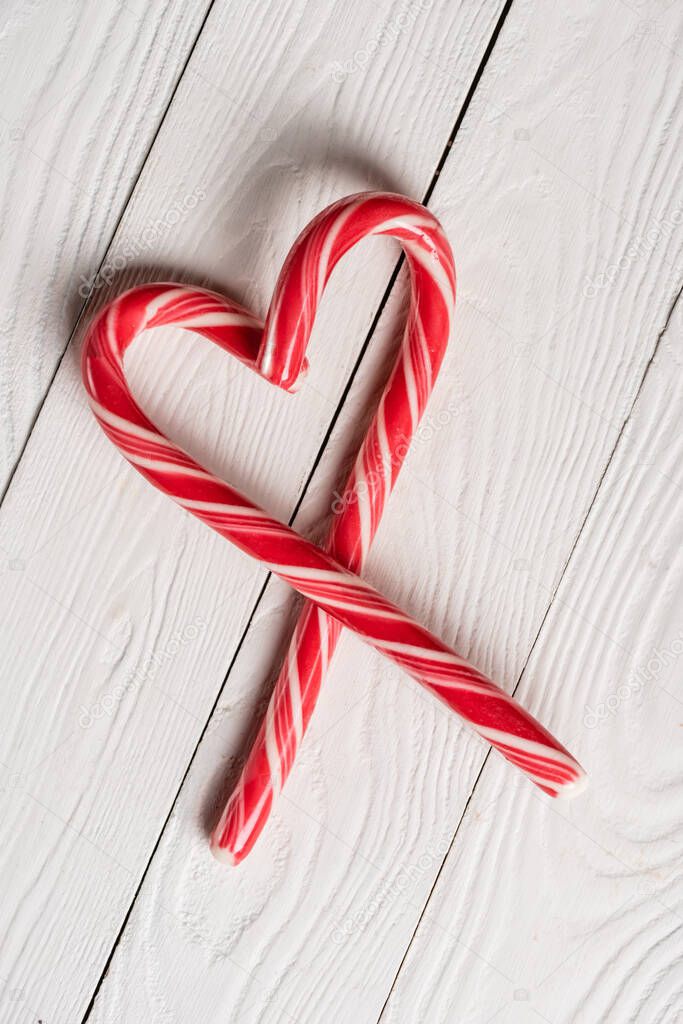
[(278, 353), (372, 478)]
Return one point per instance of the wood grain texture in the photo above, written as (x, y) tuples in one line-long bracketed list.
[(573, 912), (565, 162), (83, 89), (119, 615)]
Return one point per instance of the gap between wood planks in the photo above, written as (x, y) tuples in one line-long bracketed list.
[(323, 445), (124, 206), (535, 640)]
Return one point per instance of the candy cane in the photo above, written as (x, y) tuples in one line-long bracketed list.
[(363, 498), (278, 353)]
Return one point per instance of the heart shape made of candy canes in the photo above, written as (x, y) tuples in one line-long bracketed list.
[(336, 596)]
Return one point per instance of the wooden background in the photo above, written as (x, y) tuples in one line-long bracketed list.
[(407, 875)]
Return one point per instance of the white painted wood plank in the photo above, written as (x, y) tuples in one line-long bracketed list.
[(572, 912), (84, 87), (119, 614), (314, 924)]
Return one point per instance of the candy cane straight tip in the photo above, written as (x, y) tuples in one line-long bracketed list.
[(328, 578), (574, 788), (223, 854)]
